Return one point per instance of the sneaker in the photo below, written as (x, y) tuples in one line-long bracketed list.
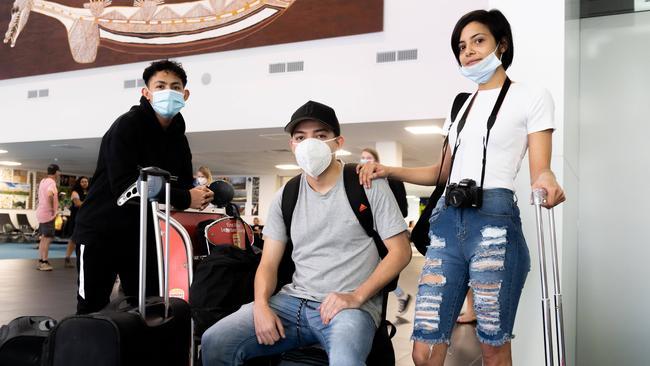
[(68, 263), (403, 303), (44, 266)]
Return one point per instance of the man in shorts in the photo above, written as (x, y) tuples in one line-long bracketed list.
[(48, 206)]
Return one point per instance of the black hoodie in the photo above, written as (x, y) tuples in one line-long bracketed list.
[(136, 139)]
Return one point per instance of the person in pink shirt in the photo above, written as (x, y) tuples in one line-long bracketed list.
[(48, 205)]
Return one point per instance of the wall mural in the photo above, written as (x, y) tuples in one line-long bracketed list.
[(65, 35)]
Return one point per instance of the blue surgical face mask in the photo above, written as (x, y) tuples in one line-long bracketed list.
[(482, 71), (167, 103), (363, 161)]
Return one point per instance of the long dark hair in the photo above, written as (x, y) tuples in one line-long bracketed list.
[(77, 185), (498, 26)]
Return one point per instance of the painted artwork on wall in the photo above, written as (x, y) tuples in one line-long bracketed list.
[(78, 34)]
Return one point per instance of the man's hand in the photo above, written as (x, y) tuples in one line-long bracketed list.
[(336, 302), (201, 197), (268, 326)]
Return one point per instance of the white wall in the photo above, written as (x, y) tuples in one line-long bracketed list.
[(340, 71), (614, 171)]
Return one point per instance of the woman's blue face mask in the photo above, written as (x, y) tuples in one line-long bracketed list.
[(482, 71)]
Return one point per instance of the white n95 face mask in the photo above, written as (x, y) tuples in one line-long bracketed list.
[(482, 71), (313, 156)]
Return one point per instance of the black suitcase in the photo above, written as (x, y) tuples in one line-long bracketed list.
[(21, 341), (129, 331)]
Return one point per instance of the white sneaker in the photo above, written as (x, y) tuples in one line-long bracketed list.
[(44, 266)]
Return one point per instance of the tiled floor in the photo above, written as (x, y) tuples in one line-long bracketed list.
[(24, 290)]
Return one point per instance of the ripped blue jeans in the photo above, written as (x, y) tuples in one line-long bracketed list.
[(480, 248)]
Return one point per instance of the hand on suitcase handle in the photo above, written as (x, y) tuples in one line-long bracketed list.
[(538, 196)]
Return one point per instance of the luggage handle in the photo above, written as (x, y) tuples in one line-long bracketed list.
[(538, 199), (157, 176)]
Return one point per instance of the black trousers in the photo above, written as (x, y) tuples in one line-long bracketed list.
[(99, 262)]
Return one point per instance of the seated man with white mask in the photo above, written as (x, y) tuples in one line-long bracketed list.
[(334, 297)]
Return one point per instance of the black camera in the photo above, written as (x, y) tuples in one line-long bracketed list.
[(464, 194)]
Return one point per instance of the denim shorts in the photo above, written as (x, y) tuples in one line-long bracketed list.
[(481, 248)]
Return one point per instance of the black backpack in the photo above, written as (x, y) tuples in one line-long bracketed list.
[(420, 232), (223, 282), (382, 352), (21, 341)]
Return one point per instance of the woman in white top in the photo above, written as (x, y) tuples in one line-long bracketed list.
[(476, 237)]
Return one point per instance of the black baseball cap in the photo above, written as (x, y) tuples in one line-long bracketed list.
[(52, 169), (314, 111)]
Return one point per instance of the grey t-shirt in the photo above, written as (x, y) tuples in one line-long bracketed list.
[(331, 251)]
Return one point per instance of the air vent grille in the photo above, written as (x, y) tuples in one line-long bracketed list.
[(40, 93), (400, 55), (295, 66), (277, 68), (280, 67), (405, 55), (385, 57)]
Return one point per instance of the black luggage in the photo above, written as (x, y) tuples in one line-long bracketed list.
[(222, 283), (21, 341), (130, 331)]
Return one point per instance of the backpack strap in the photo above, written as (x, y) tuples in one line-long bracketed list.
[(458, 104), (289, 199), (288, 205), (361, 206)]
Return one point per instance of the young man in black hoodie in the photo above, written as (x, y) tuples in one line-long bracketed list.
[(149, 134)]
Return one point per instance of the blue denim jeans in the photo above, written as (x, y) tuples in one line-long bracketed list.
[(481, 248), (347, 339)]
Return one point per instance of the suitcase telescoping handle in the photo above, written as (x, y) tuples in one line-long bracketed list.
[(538, 199), (151, 183)]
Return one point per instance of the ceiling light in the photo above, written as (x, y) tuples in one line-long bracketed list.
[(3, 151), (287, 166), (411, 197), (10, 163), (343, 153), (424, 130)]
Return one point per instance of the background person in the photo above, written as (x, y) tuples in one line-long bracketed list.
[(77, 196), (48, 207)]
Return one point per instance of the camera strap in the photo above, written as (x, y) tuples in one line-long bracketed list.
[(490, 123)]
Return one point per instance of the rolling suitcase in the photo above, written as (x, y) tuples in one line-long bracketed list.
[(539, 198), (130, 331)]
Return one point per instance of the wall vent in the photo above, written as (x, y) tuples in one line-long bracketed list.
[(295, 66), (401, 55), (32, 94), (385, 57), (277, 68), (405, 55), (128, 84), (43, 93), (139, 83)]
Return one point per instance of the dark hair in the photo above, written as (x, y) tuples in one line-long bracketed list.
[(77, 184), (164, 65), (52, 169), (372, 152), (498, 26)]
